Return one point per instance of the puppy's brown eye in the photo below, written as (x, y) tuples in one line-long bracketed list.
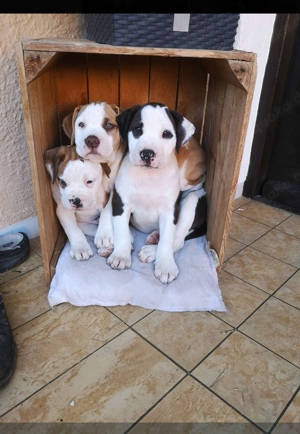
[(81, 124), (167, 134)]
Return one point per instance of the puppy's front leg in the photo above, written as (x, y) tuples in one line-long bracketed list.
[(104, 239), (165, 268), (80, 248), (120, 258)]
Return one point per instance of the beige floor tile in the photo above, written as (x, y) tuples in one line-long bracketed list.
[(240, 299), (117, 383), (291, 226), (25, 297), (252, 379), (290, 421), (292, 414), (276, 325), (32, 262), (35, 245), (262, 213), (290, 291), (281, 246), (232, 247), (240, 202), (259, 269), (197, 333), (191, 403), (129, 314), (52, 343), (246, 230)]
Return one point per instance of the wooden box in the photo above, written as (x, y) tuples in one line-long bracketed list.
[(213, 89)]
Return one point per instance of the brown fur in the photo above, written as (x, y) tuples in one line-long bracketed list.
[(58, 158), (193, 154)]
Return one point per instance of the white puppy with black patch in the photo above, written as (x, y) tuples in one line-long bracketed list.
[(147, 185), (77, 189)]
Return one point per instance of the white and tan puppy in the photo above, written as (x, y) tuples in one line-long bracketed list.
[(94, 131), (148, 183), (77, 189)]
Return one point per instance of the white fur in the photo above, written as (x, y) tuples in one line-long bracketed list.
[(149, 193), (84, 183)]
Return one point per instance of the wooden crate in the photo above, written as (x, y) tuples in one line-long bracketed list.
[(213, 89)]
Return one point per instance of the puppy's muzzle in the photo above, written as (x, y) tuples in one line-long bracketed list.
[(147, 155), (76, 203), (92, 142)]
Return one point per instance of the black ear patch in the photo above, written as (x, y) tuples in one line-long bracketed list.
[(177, 120), (124, 120)]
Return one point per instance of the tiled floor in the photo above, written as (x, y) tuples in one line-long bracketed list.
[(148, 371)]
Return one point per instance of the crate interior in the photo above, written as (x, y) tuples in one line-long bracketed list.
[(205, 90)]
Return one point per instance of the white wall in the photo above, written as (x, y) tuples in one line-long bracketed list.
[(254, 34), (17, 208)]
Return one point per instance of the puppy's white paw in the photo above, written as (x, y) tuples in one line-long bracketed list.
[(104, 244), (119, 262), (166, 271), (81, 251), (147, 253)]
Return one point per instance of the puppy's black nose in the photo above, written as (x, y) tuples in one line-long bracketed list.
[(92, 142), (147, 155), (76, 202)]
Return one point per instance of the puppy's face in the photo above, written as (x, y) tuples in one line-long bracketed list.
[(153, 133), (94, 130), (79, 181)]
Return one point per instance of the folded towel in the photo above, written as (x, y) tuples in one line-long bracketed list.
[(93, 282)]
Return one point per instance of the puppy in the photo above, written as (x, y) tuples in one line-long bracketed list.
[(148, 183), (77, 189), (94, 131)]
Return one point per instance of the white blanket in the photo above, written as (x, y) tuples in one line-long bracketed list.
[(93, 282)]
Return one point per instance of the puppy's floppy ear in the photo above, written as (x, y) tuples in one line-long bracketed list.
[(54, 157), (184, 128), (68, 124), (124, 120), (116, 108)]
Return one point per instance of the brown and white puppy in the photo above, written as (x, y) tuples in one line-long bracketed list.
[(94, 131), (77, 189)]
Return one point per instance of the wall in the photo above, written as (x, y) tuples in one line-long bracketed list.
[(17, 209), (254, 34)]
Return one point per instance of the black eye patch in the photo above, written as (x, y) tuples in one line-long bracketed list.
[(137, 131)]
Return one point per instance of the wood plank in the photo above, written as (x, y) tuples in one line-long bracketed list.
[(103, 78), (86, 46), (164, 80), (71, 87), (45, 134), (38, 62), (220, 68), (192, 92), (242, 70), (134, 81), (227, 160)]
